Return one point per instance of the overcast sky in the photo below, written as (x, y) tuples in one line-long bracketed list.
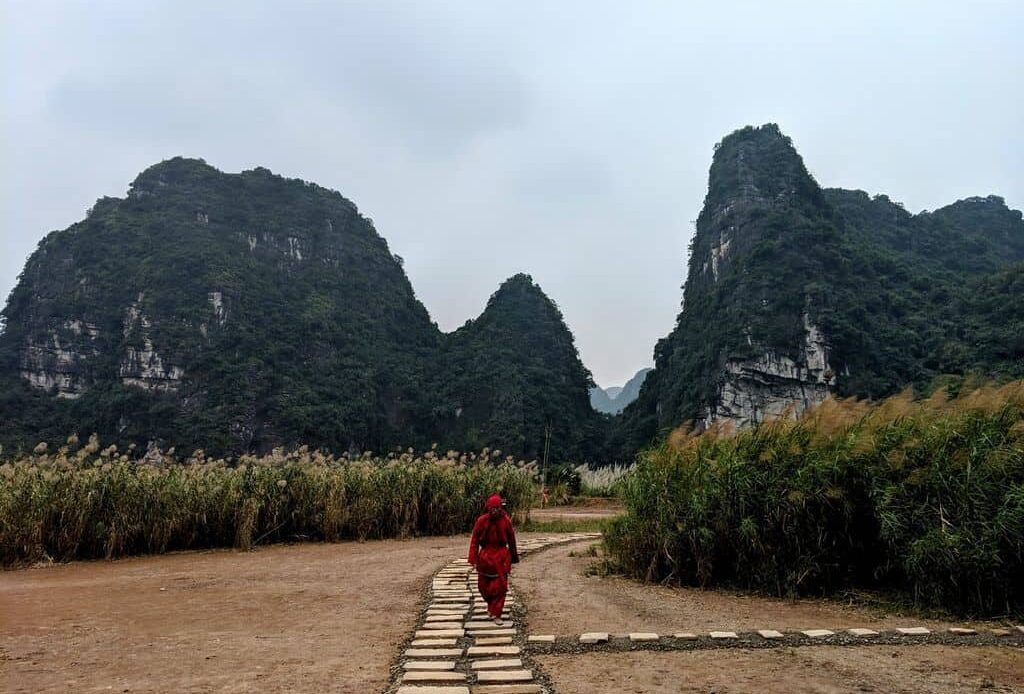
[(567, 140)]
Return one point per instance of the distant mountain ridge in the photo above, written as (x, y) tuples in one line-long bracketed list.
[(240, 312), (614, 399)]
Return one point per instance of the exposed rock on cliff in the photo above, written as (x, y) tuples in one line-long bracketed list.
[(772, 385)]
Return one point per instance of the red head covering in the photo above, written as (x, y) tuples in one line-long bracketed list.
[(493, 502)]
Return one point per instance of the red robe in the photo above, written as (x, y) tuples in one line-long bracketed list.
[(492, 550)]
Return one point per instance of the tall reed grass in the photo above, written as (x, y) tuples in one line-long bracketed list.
[(602, 481), (924, 497), (84, 502)]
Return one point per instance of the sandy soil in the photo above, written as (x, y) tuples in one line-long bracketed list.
[(286, 618), (561, 600), (821, 670)]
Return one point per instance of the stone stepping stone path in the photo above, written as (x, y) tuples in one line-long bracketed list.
[(913, 635), (457, 649)]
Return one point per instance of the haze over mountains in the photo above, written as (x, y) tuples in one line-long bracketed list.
[(614, 399), (238, 312)]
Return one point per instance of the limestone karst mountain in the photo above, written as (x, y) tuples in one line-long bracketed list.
[(238, 312), (515, 370), (794, 293)]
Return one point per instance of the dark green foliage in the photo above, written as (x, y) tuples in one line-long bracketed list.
[(290, 320), (924, 498), (566, 475)]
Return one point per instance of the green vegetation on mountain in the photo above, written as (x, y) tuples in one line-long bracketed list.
[(513, 373), (240, 312)]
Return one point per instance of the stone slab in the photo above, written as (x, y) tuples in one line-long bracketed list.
[(1001, 632), (862, 632), (962, 631), (507, 689), (817, 633), (913, 631), (723, 635), (496, 664), (433, 690), (435, 676), (475, 651), (429, 665), (442, 625), (1020, 629), (541, 638), (770, 634), (433, 652), (504, 676), (643, 636), (594, 637), (492, 632), (433, 643), (494, 641), (685, 636), (438, 634), (446, 617)]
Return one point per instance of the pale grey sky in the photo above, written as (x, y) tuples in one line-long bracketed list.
[(568, 140)]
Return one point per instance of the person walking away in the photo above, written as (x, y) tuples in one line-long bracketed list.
[(492, 550)]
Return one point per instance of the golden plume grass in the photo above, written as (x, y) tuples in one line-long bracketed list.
[(923, 496)]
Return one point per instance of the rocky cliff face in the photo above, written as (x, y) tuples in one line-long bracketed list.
[(773, 385)]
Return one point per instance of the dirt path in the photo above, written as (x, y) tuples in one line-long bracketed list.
[(560, 600), (598, 509), (286, 618), (564, 601)]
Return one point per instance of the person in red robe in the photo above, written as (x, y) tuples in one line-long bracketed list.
[(492, 550)]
